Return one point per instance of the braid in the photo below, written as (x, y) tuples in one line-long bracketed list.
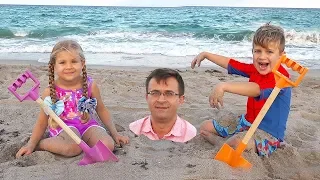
[(52, 123), (85, 82), (51, 83), (85, 117)]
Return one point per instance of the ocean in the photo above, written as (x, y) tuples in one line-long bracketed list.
[(156, 37)]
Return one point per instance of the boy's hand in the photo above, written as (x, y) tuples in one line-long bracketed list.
[(216, 96), (121, 139), (197, 60), (25, 150)]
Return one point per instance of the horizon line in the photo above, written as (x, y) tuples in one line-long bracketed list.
[(158, 6)]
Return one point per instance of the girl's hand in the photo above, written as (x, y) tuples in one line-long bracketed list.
[(121, 139), (197, 60), (216, 96), (25, 150)]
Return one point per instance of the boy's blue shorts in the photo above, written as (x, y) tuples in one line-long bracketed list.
[(265, 143)]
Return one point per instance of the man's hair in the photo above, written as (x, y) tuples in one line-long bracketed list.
[(269, 33), (162, 74)]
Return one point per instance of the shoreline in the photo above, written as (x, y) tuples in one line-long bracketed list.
[(313, 73)]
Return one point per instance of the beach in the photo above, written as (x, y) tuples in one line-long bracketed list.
[(123, 93)]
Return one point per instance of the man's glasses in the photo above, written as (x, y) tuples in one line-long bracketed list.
[(166, 94)]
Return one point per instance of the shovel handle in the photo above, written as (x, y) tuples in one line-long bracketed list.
[(59, 121)]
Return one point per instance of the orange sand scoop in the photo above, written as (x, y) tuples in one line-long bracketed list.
[(233, 157)]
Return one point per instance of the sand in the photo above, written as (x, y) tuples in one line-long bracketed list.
[(123, 92)]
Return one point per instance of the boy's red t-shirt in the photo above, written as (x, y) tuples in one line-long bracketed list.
[(264, 81)]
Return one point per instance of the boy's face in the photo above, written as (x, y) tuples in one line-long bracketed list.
[(264, 59)]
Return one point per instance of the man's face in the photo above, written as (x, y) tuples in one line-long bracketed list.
[(164, 99), (264, 59)]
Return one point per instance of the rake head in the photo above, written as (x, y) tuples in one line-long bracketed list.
[(31, 94)]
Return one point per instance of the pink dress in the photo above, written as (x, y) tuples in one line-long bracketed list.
[(71, 116)]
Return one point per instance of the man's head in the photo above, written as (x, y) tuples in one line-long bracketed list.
[(164, 94), (268, 46)]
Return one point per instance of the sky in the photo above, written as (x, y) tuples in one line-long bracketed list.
[(174, 3)]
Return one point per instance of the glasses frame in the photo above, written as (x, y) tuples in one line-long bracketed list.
[(162, 93)]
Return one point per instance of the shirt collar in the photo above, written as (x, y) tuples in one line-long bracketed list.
[(175, 131)]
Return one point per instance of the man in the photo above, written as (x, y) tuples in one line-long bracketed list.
[(164, 94)]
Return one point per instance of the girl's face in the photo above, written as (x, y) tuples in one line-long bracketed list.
[(68, 66)]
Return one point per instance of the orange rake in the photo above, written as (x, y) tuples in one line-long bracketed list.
[(233, 157)]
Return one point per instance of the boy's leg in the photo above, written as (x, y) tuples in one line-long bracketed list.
[(235, 140), (262, 143), (209, 128), (94, 134), (62, 144), (265, 143), (208, 132)]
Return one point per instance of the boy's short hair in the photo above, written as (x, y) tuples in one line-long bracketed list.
[(162, 74), (269, 33)]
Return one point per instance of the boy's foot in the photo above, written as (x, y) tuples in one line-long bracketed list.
[(210, 137)]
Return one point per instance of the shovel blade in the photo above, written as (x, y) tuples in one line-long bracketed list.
[(98, 153), (228, 155)]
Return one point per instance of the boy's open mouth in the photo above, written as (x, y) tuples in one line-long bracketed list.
[(263, 66)]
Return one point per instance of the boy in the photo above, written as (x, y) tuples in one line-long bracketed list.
[(268, 46)]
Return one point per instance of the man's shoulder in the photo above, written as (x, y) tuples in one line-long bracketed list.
[(189, 126), (190, 130), (137, 125)]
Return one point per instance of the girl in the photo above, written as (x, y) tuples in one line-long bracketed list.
[(72, 95)]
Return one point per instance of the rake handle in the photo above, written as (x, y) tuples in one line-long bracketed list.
[(59, 121)]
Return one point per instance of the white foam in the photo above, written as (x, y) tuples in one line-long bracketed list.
[(302, 46)]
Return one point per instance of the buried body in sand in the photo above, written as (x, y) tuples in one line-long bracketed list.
[(124, 92)]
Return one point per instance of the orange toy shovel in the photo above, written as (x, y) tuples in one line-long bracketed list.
[(233, 157)]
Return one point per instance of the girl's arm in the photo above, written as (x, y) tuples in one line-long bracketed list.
[(103, 112), (37, 132), (38, 129), (41, 124)]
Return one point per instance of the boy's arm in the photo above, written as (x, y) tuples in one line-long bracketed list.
[(249, 89), (217, 59), (265, 93)]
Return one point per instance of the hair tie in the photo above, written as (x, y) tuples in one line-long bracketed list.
[(87, 105), (57, 107)]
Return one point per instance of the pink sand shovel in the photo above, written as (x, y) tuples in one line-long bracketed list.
[(97, 153)]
